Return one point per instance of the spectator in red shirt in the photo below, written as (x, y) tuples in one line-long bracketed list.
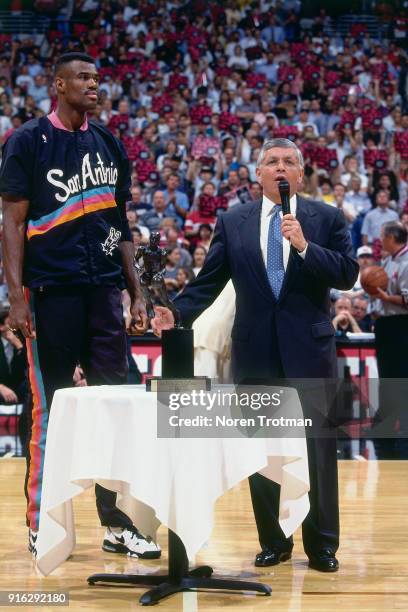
[(205, 213)]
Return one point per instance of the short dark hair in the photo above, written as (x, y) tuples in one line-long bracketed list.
[(205, 226), (74, 56), (397, 230)]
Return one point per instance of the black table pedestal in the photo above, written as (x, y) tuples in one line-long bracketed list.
[(178, 364), (179, 578)]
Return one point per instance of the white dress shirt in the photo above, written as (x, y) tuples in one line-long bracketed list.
[(266, 212)]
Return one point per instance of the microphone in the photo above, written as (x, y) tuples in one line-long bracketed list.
[(284, 194)]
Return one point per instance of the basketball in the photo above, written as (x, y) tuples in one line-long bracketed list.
[(372, 278)]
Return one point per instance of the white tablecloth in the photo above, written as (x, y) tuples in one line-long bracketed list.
[(108, 435)]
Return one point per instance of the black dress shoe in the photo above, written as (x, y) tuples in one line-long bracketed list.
[(272, 556), (324, 561)]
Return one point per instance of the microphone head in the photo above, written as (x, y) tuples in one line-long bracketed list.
[(283, 188)]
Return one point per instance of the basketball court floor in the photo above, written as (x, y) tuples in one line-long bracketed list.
[(373, 556)]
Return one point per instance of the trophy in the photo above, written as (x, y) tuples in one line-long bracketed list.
[(177, 343), (151, 273)]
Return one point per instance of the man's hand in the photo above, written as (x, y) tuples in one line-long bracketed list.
[(292, 231), (20, 318), (397, 300), (163, 320), (8, 335), (8, 394), (139, 321), (383, 295), (343, 318)]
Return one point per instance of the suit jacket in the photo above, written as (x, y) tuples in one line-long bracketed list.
[(295, 329), (13, 376)]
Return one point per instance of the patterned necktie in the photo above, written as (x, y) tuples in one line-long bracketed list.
[(274, 261)]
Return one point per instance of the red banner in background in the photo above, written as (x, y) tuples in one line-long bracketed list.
[(147, 358), (147, 355), (361, 361)]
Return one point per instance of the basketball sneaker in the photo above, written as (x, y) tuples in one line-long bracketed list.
[(32, 542), (130, 541)]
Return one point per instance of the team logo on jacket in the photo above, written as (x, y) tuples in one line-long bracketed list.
[(91, 176), (111, 242)]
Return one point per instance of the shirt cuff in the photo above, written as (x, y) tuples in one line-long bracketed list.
[(303, 253)]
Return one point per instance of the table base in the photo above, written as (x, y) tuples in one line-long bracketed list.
[(199, 578), (179, 578)]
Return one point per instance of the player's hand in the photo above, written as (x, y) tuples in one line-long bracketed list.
[(139, 321), (20, 318), (292, 231), (163, 320)]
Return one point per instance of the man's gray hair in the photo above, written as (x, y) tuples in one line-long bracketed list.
[(281, 143), (395, 229)]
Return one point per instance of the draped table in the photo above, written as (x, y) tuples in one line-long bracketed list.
[(108, 435)]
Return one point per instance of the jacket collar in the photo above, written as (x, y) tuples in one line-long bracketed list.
[(249, 229)]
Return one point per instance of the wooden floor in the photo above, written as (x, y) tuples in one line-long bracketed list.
[(373, 553)]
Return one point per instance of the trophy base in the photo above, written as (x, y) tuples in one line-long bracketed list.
[(178, 365), (177, 353), (175, 385)]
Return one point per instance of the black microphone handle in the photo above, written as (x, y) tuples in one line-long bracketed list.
[(285, 203)]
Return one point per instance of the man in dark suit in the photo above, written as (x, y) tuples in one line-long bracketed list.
[(282, 268)]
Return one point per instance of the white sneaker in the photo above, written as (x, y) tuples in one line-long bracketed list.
[(130, 541), (32, 542)]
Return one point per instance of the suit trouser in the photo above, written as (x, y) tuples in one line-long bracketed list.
[(321, 527), (81, 324)]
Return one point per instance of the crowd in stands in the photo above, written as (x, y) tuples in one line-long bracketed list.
[(193, 90)]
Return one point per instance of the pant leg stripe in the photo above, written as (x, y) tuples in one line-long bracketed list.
[(39, 426)]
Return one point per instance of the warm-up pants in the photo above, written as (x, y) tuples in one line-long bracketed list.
[(74, 325)]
